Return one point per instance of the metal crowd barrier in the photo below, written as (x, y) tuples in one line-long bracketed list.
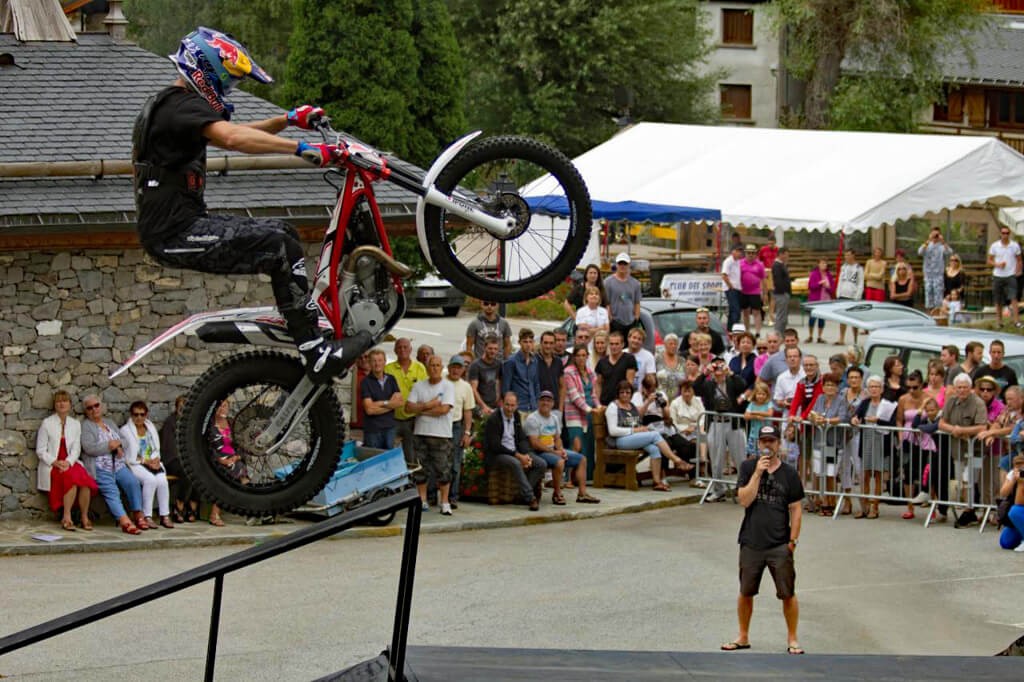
[(959, 473)]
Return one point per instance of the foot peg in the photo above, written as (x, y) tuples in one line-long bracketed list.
[(327, 358), (390, 264)]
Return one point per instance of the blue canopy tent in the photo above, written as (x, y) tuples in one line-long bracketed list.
[(635, 211)]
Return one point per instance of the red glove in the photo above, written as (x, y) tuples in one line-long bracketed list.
[(306, 116), (319, 154)]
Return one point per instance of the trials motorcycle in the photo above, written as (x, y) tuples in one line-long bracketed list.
[(503, 218)]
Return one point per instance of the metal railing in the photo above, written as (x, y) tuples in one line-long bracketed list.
[(216, 570), (840, 462)]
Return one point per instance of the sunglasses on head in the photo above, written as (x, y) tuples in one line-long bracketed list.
[(703, 310)]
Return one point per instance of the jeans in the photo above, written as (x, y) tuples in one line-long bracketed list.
[(109, 485), (732, 297), (1011, 536), (379, 440), (457, 432), (645, 440)]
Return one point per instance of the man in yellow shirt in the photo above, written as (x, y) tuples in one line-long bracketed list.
[(406, 371)]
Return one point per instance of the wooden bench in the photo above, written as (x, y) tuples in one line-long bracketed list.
[(605, 456)]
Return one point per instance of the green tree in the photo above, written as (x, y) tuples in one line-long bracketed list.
[(871, 64), (565, 70), (263, 26)]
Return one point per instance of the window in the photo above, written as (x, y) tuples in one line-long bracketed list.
[(737, 27), (1005, 109), (735, 101), (953, 108)]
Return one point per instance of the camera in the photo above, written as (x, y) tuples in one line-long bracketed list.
[(660, 400)]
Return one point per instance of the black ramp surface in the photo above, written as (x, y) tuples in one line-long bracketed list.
[(463, 664)]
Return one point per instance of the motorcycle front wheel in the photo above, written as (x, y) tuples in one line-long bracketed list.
[(510, 177), (246, 389)]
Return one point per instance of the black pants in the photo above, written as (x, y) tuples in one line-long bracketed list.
[(233, 245), (686, 449)]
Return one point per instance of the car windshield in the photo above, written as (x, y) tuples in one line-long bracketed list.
[(1016, 363), (679, 322)]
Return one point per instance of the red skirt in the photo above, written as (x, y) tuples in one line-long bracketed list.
[(871, 294), (63, 481)]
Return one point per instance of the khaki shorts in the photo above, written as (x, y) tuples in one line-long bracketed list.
[(778, 560)]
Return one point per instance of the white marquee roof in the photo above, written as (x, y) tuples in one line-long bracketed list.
[(802, 179)]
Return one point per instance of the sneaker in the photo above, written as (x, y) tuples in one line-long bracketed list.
[(425, 507), (968, 518), (922, 498), (713, 497), (1019, 548), (453, 504), (446, 509)]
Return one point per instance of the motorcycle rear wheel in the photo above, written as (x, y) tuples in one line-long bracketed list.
[(255, 383), (541, 251)]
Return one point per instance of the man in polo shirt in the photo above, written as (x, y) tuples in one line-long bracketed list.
[(731, 278), (624, 294), (431, 400), (752, 277), (381, 396), (406, 372)]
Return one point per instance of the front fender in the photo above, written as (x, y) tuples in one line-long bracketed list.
[(428, 181), (261, 326)]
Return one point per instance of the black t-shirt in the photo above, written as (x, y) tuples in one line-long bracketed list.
[(1004, 376), (766, 520), (488, 378), (780, 278), (176, 144), (611, 375), (550, 376)]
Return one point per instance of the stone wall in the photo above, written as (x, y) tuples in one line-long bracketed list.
[(70, 318)]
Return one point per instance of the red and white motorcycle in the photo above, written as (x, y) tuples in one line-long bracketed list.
[(475, 226)]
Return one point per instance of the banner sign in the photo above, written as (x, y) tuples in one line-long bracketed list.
[(706, 289)]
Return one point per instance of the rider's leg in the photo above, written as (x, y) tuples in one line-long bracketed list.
[(235, 245)]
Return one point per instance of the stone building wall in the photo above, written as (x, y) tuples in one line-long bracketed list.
[(70, 318)]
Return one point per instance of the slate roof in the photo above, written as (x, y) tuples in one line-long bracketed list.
[(998, 55), (66, 101)]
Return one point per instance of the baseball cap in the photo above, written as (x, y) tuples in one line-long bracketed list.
[(739, 327), (768, 431), (622, 258), (457, 360), (546, 394)]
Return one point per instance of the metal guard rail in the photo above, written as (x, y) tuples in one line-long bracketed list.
[(216, 570)]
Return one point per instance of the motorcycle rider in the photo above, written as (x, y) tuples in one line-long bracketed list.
[(169, 154)]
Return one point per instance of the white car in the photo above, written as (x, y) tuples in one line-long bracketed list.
[(434, 292)]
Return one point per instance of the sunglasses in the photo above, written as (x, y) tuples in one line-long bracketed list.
[(762, 348), (489, 303), (139, 414), (92, 407), (985, 389), (913, 386)]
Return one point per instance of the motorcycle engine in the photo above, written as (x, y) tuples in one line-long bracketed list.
[(372, 301)]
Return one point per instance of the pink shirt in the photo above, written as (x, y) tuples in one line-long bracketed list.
[(751, 276)]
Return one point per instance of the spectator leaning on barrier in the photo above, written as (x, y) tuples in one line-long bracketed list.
[(1012, 535), (875, 444), (786, 384), (963, 417), (722, 394), (776, 363), (770, 492)]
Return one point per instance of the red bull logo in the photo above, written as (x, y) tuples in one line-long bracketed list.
[(235, 60)]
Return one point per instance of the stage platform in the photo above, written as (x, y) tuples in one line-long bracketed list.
[(463, 664)]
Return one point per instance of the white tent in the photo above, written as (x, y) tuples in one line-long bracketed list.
[(801, 179)]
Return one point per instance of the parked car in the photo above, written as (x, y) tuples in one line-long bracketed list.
[(434, 292), (869, 315), (662, 316), (917, 345)]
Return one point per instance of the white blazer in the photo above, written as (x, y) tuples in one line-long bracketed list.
[(130, 442), (48, 446)]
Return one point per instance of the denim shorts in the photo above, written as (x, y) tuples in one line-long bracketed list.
[(572, 459)]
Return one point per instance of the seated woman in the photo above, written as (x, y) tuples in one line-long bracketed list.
[(1012, 535), (58, 447), (652, 405), (104, 459), (626, 432), (223, 452), (142, 454)]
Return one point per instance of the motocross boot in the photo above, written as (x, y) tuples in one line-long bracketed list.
[(324, 358)]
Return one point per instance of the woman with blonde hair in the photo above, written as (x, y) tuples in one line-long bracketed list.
[(58, 448)]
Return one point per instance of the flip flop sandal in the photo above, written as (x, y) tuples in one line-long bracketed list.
[(734, 646), (662, 487), (130, 529), (67, 525), (87, 525), (558, 499), (794, 650), (587, 499)]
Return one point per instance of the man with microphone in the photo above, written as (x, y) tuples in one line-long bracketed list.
[(770, 492)]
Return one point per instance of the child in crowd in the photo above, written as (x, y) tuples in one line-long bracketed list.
[(952, 307), (790, 448), (926, 423), (760, 406)]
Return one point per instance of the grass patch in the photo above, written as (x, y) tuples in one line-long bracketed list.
[(991, 326)]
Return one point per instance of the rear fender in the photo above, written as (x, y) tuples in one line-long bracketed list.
[(261, 326), (428, 182)]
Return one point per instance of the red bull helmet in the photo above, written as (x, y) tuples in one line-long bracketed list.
[(212, 63)]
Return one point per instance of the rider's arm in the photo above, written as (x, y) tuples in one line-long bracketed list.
[(240, 138), (269, 125)]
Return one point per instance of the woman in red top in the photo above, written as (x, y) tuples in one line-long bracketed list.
[(58, 447)]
